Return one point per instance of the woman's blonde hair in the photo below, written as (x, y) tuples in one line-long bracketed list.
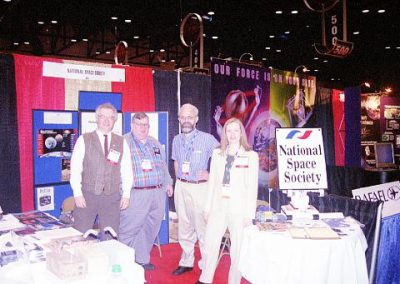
[(243, 137)]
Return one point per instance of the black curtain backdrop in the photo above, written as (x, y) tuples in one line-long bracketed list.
[(324, 119), (352, 107), (195, 89), (10, 195)]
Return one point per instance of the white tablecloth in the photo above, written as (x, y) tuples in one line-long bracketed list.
[(271, 257), (118, 253)]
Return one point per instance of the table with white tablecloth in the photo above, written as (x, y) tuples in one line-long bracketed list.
[(275, 257), (37, 273)]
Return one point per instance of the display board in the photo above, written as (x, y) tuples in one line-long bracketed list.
[(159, 130), (301, 158), (54, 136), (90, 100)]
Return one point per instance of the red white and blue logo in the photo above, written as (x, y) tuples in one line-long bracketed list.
[(299, 134)]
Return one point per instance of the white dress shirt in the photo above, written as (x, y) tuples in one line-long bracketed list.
[(77, 165)]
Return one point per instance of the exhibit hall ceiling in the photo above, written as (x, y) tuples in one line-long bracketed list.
[(281, 34)]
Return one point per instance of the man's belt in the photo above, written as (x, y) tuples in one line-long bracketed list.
[(192, 181), (147, 187)]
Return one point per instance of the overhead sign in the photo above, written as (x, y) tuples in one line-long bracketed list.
[(301, 158), (83, 72), (389, 193)]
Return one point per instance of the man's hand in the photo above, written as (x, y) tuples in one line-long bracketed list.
[(170, 190), (80, 201), (124, 203), (202, 175)]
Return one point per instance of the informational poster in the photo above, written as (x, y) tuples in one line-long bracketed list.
[(88, 122), (370, 120), (242, 91), (390, 123), (301, 158), (45, 198), (55, 142)]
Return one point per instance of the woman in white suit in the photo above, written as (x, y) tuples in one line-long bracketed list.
[(232, 198)]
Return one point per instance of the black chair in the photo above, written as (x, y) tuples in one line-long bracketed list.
[(366, 212)]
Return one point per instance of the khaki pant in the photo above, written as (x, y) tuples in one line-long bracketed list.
[(189, 204)]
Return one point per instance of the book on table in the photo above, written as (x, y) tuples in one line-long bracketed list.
[(292, 212)]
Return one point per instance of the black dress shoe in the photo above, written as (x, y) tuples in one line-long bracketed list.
[(181, 269)]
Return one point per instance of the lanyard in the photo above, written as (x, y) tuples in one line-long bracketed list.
[(188, 146)]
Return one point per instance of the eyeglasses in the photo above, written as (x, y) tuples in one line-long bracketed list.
[(142, 124)]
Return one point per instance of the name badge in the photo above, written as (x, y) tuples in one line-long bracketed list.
[(113, 156), (226, 191), (146, 165), (185, 168), (242, 162), (157, 151)]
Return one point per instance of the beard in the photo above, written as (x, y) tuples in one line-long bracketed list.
[(187, 127)]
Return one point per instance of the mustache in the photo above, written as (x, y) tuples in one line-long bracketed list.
[(187, 124)]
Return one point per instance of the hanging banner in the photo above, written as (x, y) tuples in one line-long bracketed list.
[(83, 72), (292, 99), (242, 91)]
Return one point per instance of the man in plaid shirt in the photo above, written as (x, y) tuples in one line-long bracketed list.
[(140, 222)]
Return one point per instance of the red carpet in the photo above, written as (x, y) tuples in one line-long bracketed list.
[(169, 261)]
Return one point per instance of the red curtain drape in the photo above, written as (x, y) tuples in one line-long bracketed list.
[(339, 126), (33, 92), (137, 90)]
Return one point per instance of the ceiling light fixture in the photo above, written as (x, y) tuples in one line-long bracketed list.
[(267, 47), (40, 23), (26, 42), (365, 11), (214, 37), (278, 12), (388, 90), (381, 11), (73, 40), (211, 13), (287, 32), (271, 36), (85, 39), (128, 21), (162, 50), (294, 12), (278, 50), (16, 43), (387, 47), (356, 33), (54, 22), (136, 37), (303, 68), (114, 18), (246, 53)]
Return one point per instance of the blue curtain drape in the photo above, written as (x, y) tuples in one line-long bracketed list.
[(10, 195), (388, 263)]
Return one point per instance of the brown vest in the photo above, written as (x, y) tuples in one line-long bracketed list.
[(100, 175)]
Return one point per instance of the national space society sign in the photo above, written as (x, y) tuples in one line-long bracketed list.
[(301, 158)]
